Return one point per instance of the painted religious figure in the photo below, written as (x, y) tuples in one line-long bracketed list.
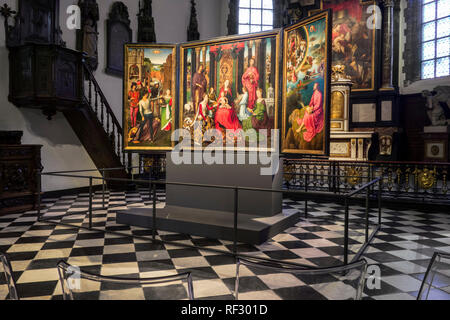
[(199, 84), (149, 81), (230, 86), (313, 121), (305, 103), (352, 41), (250, 80)]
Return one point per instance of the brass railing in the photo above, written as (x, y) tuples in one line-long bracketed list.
[(414, 181)]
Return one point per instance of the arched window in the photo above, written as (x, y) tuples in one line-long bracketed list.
[(255, 16), (435, 38)]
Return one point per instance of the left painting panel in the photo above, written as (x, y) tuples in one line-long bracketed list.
[(149, 96)]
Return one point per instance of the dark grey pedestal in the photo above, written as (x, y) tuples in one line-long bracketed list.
[(257, 203), (205, 223), (209, 212)]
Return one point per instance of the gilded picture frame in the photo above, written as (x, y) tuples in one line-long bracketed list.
[(306, 86), (233, 57), (155, 67)]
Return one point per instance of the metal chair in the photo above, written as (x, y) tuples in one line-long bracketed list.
[(305, 283), (10, 282), (436, 281), (80, 285)]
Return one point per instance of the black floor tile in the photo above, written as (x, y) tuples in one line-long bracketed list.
[(299, 293), (246, 284), (43, 264), (281, 254), (183, 253), (86, 251), (295, 244), (216, 260), (382, 257), (119, 257), (36, 289)]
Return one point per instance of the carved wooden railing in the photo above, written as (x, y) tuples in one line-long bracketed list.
[(414, 181), (96, 100)]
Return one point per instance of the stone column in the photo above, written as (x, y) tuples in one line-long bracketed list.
[(388, 40), (233, 14)]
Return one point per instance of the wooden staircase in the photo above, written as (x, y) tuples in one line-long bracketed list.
[(98, 129), (46, 75)]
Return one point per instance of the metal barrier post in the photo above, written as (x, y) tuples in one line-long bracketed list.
[(38, 180), (90, 202), (103, 188), (306, 200), (236, 205), (380, 185), (367, 213), (130, 162), (154, 210), (346, 225), (333, 178)]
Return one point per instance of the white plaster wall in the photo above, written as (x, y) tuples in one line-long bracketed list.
[(171, 23), (62, 150), (417, 86)]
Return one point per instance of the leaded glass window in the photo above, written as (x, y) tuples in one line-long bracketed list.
[(435, 38), (255, 16)]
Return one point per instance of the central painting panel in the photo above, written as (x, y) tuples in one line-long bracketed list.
[(230, 87)]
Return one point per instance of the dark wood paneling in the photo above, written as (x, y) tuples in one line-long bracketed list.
[(18, 177), (414, 118)]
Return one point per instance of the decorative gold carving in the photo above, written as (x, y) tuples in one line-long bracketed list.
[(385, 145), (148, 163), (407, 173), (390, 184), (354, 175), (337, 105), (425, 178), (399, 176), (226, 68), (338, 73), (336, 125), (289, 172)]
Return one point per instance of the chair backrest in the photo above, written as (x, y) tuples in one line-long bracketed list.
[(290, 282), (436, 277), (79, 285), (9, 279)]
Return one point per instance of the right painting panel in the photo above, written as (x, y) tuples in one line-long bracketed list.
[(353, 40), (306, 75)]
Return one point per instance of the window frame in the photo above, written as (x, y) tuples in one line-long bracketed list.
[(435, 39), (262, 25)]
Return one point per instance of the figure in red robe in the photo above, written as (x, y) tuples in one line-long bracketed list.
[(226, 117), (250, 80), (313, 119), (133, 98)]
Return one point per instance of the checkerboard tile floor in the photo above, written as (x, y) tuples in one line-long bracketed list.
[(402, 250)]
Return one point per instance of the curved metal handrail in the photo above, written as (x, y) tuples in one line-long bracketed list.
[(64, 270)]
